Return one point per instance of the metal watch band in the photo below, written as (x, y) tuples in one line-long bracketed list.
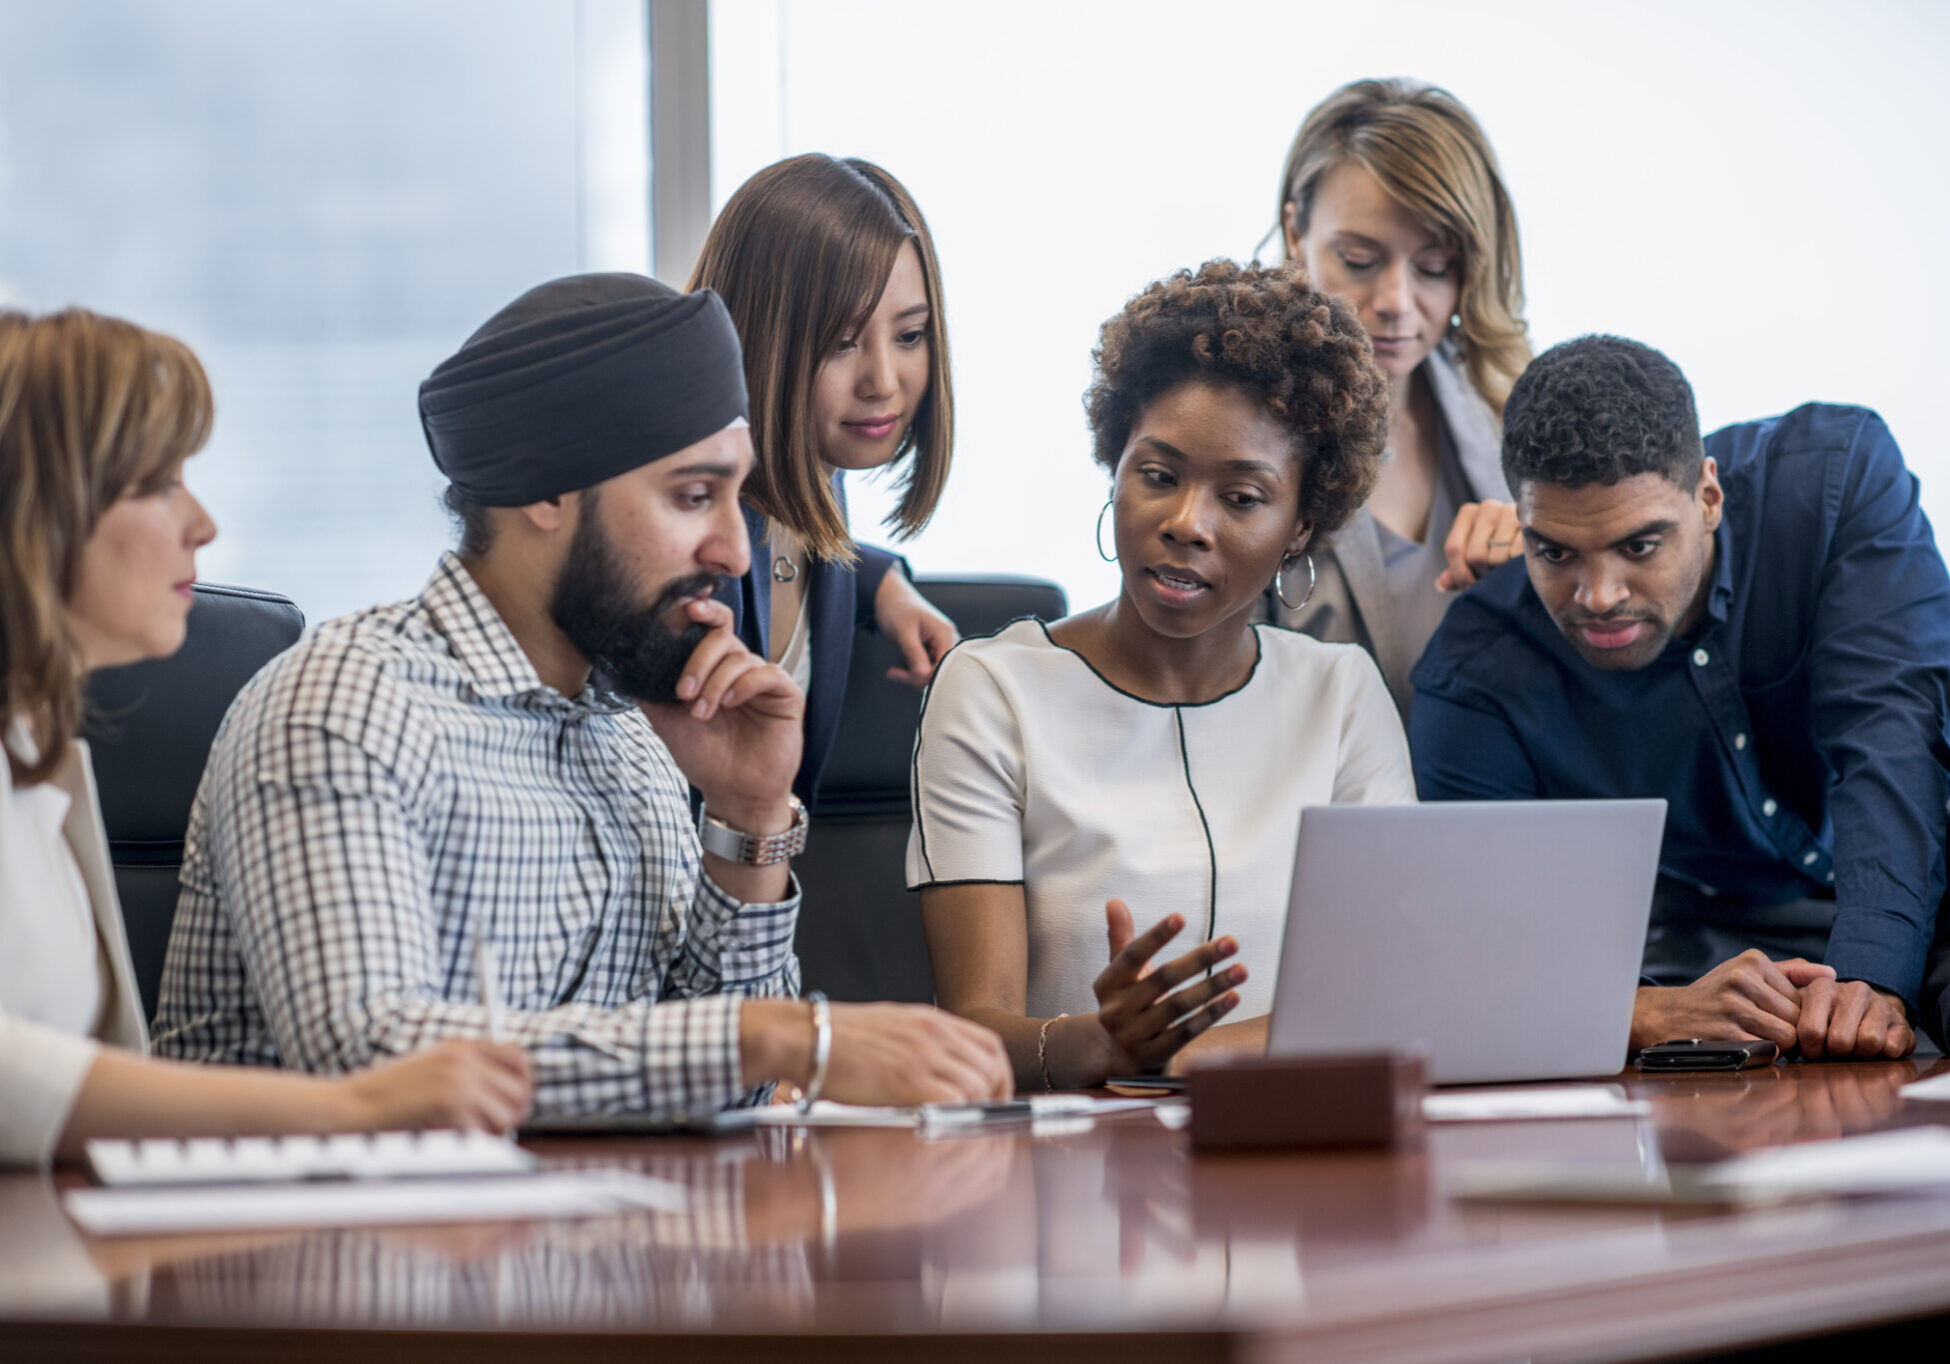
[(755, 850)]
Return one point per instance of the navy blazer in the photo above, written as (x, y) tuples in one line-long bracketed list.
[(840, 597)]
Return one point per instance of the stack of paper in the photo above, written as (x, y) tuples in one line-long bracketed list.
[(1525, 1105)]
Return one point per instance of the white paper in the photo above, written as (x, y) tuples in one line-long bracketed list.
[(1911, 1158), (826, 1113), (166, 1211), (1042, 1108), (1935, 1088), (1526, 1105)]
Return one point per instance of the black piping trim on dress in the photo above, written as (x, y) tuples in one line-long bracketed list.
[(1211, 853), (968, 881), (1259, 653)]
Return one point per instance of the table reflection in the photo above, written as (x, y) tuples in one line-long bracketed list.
[(1098, 1226)]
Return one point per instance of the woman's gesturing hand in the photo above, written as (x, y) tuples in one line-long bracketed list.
[(1146, 1015)]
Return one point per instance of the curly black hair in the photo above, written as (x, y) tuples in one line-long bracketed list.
[(1597, 410), (1266, 330)]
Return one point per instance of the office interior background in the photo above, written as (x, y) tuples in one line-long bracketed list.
[(324, 200)]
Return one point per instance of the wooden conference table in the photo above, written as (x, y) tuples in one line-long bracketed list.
[(1104, 1242)]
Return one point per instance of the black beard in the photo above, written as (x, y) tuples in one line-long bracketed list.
[(638, 654)]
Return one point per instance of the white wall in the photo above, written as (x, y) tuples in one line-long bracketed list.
[(1759, 189)]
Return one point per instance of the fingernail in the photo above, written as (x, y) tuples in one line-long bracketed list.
[(686, 687), (702, 710)]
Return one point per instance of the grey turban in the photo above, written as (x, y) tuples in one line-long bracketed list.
[(577, 381)]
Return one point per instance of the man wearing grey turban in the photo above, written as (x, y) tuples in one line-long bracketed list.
[(467, 813)]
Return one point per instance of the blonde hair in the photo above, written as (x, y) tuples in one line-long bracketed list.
[(800, 255), (92, 409), (1429, 154)]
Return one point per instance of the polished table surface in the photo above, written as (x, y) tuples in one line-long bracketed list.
[(1080, 1241)]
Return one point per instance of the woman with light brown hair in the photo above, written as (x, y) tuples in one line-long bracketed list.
[(1392, 200), (829, 272), (98, 542)]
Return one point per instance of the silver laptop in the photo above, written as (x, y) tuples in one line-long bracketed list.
[(1501, 938)]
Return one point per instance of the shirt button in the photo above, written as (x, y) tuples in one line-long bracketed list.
[(1768, 807), (1810, 859), (1700, 657), (1831, 876), (1739, 741)]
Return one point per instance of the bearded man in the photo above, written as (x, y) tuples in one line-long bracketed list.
[(469, 812), (1755, 626)]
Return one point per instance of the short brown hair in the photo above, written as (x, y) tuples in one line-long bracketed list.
[(1426, 150), (800, 255), (1263, 329), (91, 409)]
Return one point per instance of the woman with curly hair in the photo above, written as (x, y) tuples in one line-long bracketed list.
[(98, 542), (1392, 200), (1160, 747)]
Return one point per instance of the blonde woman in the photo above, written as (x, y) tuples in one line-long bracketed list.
[(98, 542), (1392, 200)]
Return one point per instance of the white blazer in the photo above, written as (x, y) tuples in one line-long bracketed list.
[(41, 1067)]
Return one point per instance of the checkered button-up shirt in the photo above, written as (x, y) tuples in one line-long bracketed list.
[(402, 785)]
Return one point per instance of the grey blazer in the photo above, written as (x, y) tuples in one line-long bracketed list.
[(1350, 602)]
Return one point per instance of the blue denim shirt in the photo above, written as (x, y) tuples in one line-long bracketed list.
[(1798, 734)]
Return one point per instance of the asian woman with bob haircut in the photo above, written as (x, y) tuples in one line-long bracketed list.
[(1392, 200), (829, 272), (1151, 756), (98, 542)]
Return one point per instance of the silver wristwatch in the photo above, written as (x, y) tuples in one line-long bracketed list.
[(754, 850)]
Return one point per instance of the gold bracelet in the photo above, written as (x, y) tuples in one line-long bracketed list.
[(1042, 1052)]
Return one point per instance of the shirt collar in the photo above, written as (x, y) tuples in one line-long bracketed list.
[(1719, 595), (484, 646)]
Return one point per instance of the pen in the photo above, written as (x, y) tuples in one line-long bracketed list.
[(490, 990)]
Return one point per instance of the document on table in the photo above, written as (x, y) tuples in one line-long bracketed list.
[(1524, 1105), (1034, 1109), (166, 1209), (1909, 1159), (1936, 1088)]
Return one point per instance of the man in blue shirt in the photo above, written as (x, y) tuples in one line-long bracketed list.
[(1756, 627)]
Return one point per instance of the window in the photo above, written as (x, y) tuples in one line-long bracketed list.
[(1750, 187), (323, 201)]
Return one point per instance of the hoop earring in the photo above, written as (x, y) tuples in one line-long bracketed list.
[(1107, 558), (1279, 582)]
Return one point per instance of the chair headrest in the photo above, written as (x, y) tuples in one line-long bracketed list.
[(866, 772), (150, 724)]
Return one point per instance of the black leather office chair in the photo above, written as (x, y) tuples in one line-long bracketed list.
[(860, 932), (150, 726)]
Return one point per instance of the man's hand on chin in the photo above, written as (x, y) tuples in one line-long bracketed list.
[(1852, 1019), (737, 728), (1749, 996)]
